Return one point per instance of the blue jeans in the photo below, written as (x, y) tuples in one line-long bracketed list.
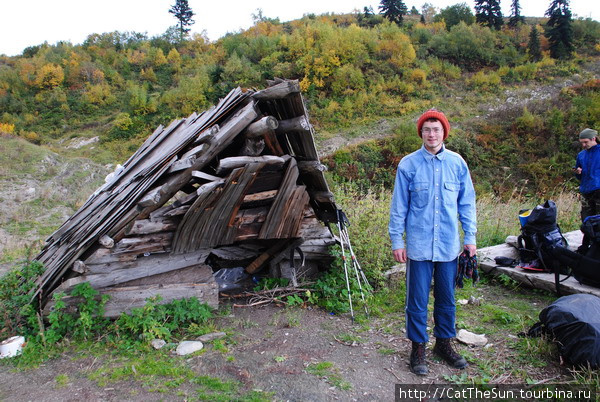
[(418, 284)]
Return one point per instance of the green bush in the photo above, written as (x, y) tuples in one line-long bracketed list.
[(15, 297)]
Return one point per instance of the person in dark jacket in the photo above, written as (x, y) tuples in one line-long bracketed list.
[(587, 171)]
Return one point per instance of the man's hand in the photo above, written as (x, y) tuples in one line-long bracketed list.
[(577, 170), (400, 255), (472, 249)]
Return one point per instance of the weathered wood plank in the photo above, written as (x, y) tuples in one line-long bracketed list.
[(147, 226), (278, 91), (205, 176), (235, 162), (149, 243), (104, 275), (125, 299)]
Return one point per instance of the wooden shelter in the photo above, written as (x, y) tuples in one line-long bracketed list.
[(238, 185)]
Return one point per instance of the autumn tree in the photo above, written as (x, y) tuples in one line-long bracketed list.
[(183, 12), (559, 29), (488, 13), (515, 16), (393, 10)]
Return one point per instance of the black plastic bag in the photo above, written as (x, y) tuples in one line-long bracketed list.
[(574, 324)]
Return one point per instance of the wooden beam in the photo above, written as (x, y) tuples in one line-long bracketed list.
[(278, 91), (240, 161), (139, 268), (255, 265), (205, 176), (261, 127), (311, 167), (124, 299), (299, 123)]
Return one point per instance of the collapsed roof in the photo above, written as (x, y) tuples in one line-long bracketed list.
[(239, 184)]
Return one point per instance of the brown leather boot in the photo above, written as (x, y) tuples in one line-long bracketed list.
[(418, 364), (444, 349)]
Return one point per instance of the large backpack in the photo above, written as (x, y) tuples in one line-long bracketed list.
[(573, 322), (539, 238), (585, 263)]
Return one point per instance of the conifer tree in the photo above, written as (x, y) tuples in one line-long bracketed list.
[(487, 12), (559, 29), (516, 16), (393, 10), (534, 48), (182, 11)]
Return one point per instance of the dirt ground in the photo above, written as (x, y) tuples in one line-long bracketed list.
[(269, 349)]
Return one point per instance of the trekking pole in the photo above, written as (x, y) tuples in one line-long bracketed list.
[(345, 265), (357, 268)]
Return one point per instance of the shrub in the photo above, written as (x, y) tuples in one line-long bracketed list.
[(486, 82), (15, 288)]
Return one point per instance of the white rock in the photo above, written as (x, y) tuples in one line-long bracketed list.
[(188, 347), (211, 336), (462, 301), (470, 338), (158, 343)]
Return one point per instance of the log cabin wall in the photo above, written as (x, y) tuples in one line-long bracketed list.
[(238, 185)]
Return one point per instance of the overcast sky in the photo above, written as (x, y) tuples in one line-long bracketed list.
[(28, 23)]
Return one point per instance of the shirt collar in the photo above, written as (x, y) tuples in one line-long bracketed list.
[(441, 155)]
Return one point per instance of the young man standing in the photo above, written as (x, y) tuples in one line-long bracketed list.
[(587, 171), (432, 192)]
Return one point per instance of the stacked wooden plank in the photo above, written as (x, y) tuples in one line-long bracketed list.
[(238, 185)]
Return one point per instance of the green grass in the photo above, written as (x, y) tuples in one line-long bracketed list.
[(328, 372)]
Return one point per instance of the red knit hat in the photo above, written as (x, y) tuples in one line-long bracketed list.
[(434, 114)]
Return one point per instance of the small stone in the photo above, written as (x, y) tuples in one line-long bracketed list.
[(462, 301), (470, 338), (188, 347), (158, 343), (211, 337)]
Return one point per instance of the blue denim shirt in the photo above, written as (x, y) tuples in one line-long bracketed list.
[(589, 162), (431, 194)]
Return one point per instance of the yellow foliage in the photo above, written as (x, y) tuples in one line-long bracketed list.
[(123, 121), (148, 74), (418, 76), (485, 81), (7, 128), (174, 57), (30, 136), (157, 57), (98, 94), (50, 76), (395, 46), (26, 70), (264, 28), (136, 57)]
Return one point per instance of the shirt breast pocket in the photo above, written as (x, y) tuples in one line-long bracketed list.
[(419, 194), (451, 193)]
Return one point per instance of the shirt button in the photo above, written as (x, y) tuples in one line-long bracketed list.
[(437, 170), (437, 212), (437, 198), (437, 184)]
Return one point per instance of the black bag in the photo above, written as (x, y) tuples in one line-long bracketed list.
[(585, 263), (574, 323), (539, 239)]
